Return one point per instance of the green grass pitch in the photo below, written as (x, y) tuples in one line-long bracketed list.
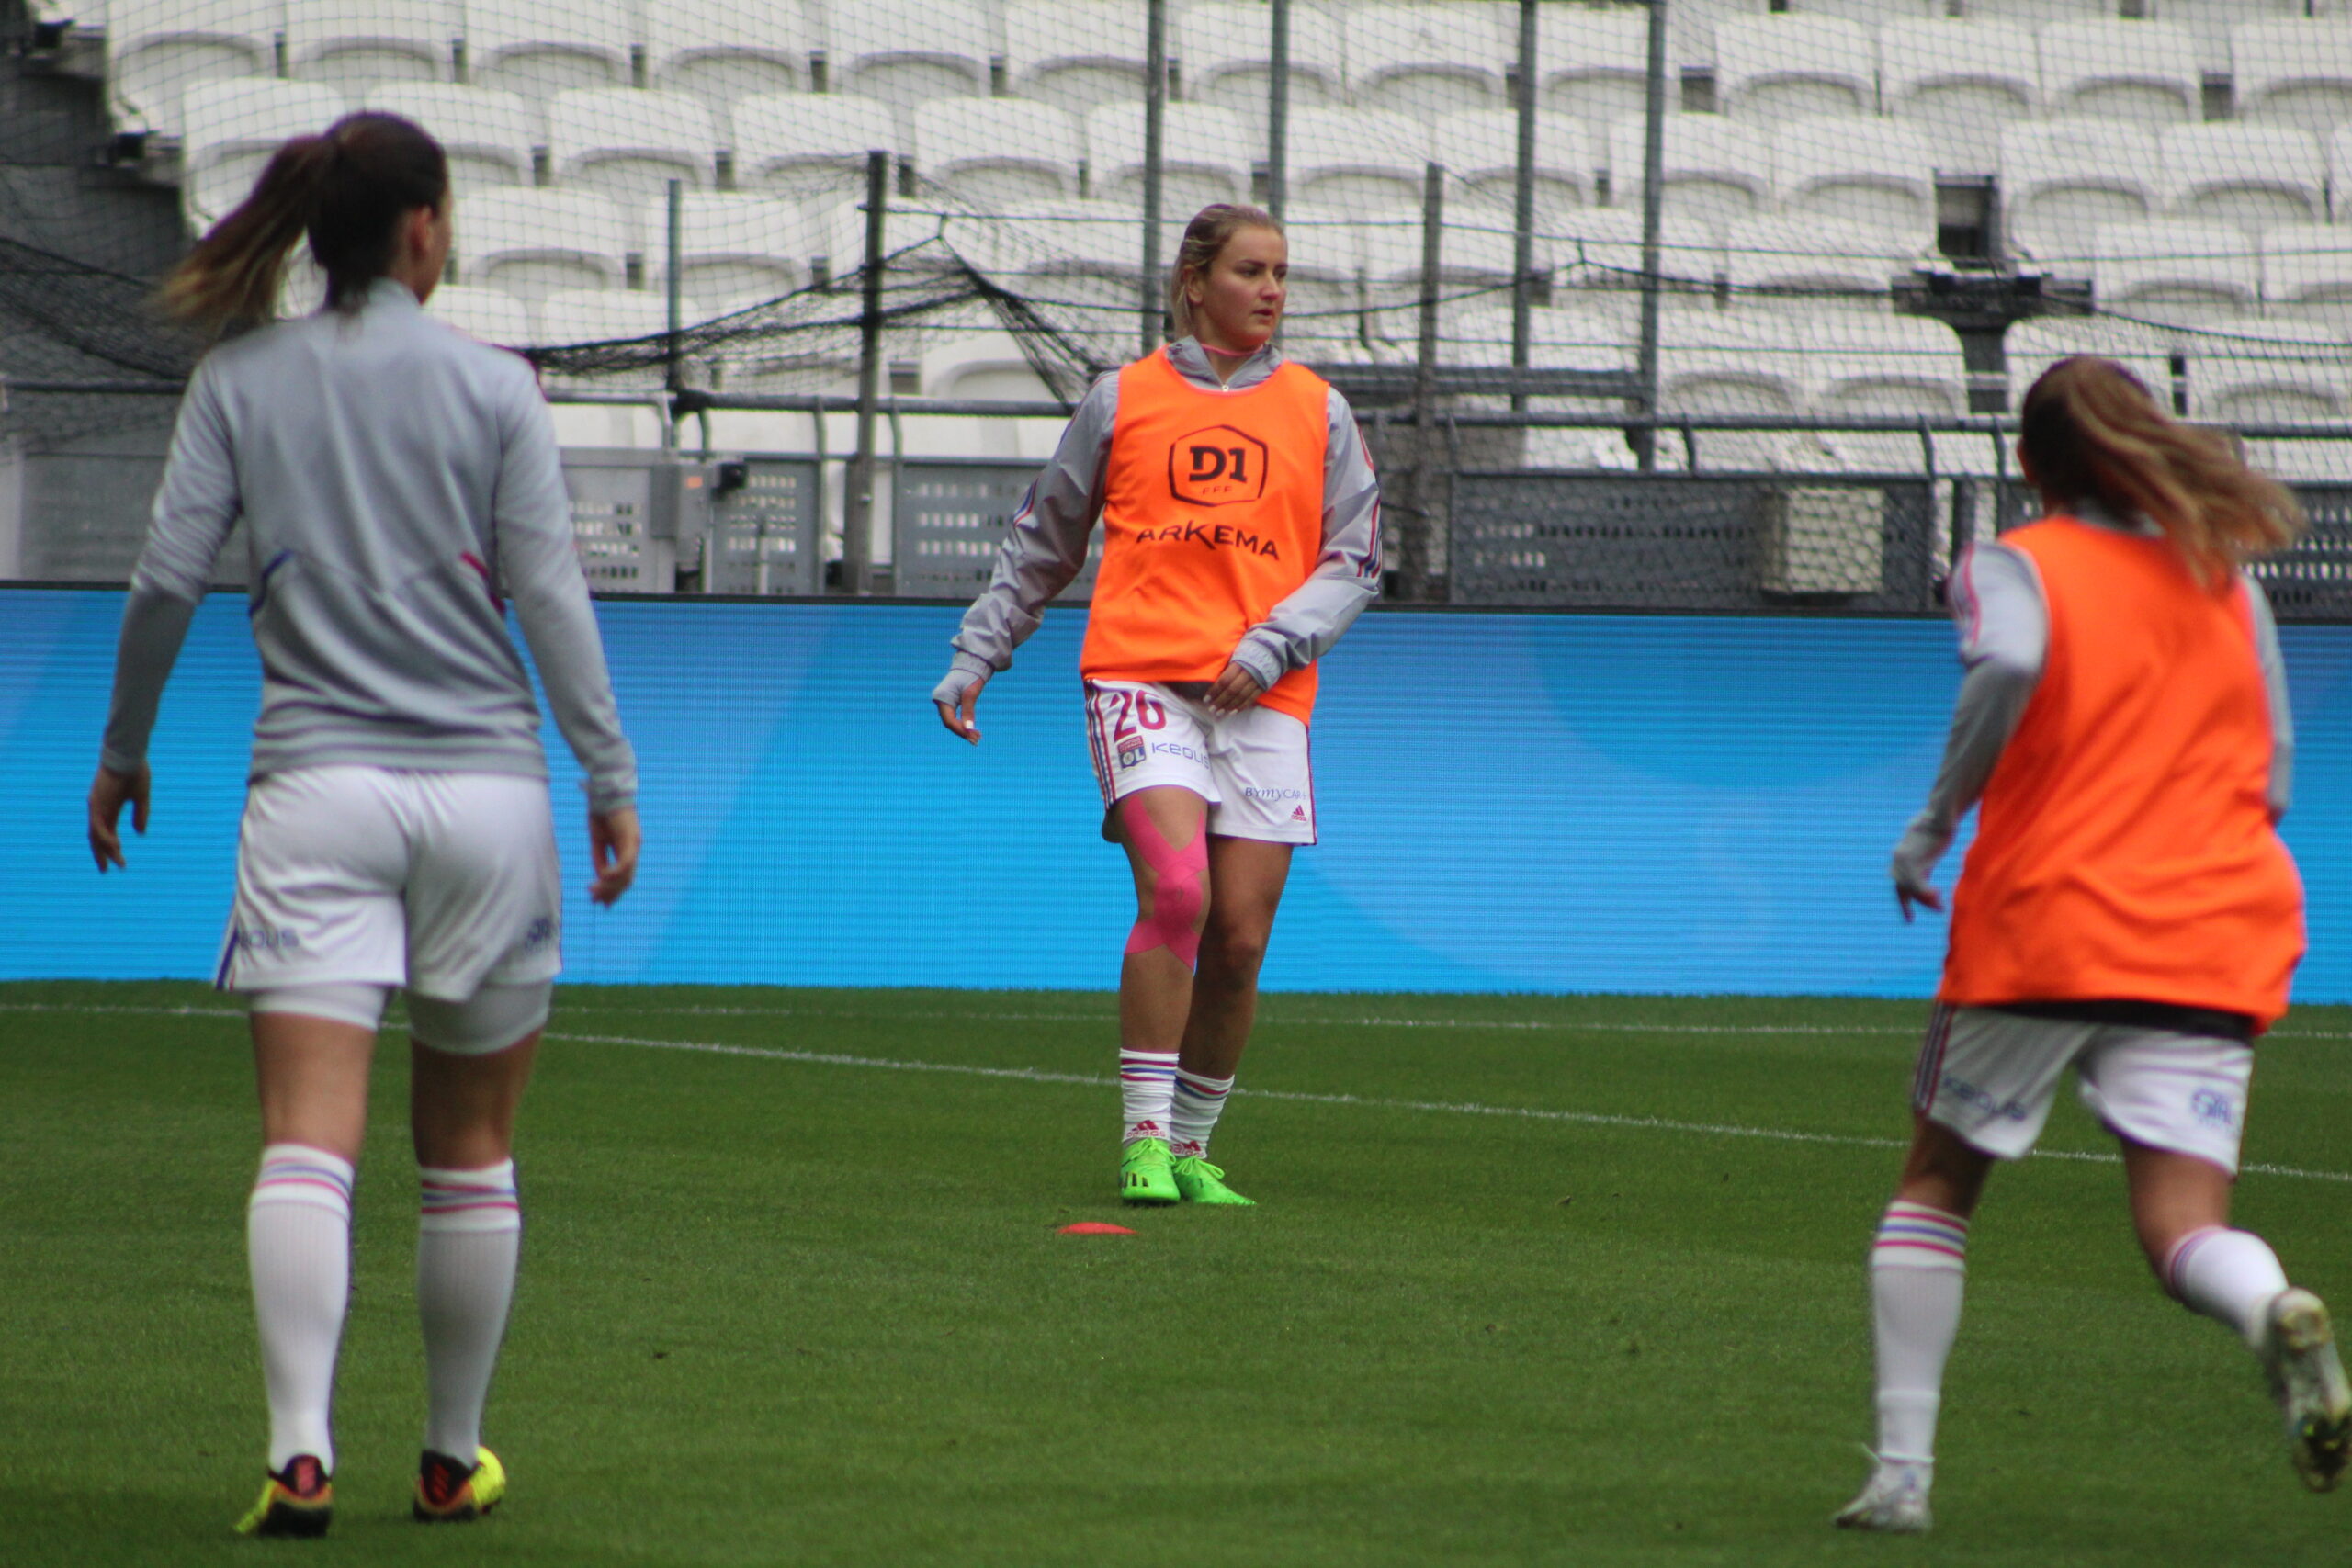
[(1535, 1280)]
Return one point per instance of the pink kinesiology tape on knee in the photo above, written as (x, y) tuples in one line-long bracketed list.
[(1177, 895)]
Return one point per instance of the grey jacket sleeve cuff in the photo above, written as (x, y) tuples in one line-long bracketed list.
[(973, 664), (1264, 662)]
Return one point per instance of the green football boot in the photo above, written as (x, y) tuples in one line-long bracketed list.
[(1198, 1182), (1144, 1173)]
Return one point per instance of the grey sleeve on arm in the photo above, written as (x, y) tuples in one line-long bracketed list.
[(1302, 627), (194, 508), (2274, 686), (1044, 547), (2004, 636), (531, 520)]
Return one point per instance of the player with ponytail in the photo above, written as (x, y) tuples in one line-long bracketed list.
[(2127, 909), (1241, 537), (400, 485)]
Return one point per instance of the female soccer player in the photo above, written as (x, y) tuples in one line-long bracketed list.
[(1241, 536), (393, 478), (2127, 909)]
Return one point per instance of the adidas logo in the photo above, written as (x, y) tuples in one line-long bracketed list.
[(1147, 1129), (1298, 814)]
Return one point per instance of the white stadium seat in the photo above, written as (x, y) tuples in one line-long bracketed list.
[(998, 152), (2174, 272), (986, 366), (1592, 63), (1357, 158), (917, 237), (1879, 174), (2270, 376), (535, 243), (536, 49), (2256, 177), (1227, 50), (2297, 73), (1427, 60), (725, 50), (1598, 253), (156, 49), (1960, 82), (2307, 275), (1889, 367), (230, 130), (1088, 253), (2032, 346), (1788, 67), (2062, 179), (807, 145), (1717, 169), (489, 137), (2121, 70), (606, 315), (1078, 54), (1473, 272), (1714, 362), (486, 315), (903, 51), (353, 48), (1325, 303), (1480, 151), (1811, 264), (1203, 156), (733, 251), (631, 144), (1691, 26)]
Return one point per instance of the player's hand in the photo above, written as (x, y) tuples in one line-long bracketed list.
[(1920, 893), (1916, 853), (613, 840), (956, 697), (1235, 690), (110, 792)]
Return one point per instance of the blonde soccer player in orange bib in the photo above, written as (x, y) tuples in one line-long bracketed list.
[(2127, 909), (1241, 536)]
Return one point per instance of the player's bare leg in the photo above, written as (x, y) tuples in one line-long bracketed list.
[(1248, 875), (2180, 1205), (1165, 833)]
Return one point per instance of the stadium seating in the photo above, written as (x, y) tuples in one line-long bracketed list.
[(536, 49), (353, 48), (2174, 272), (2307, 275), (1479, 148), (490, 136), (2030, 347), (1598, 253), (2255, 176), (1714, 362), (1078, 54), (1227, 49), (631, 144), (2121, 70), (998, 152), (1960, 82), (804, 145), (1592, 63), (1473, 273), (1089, 253), (228, 132), (535, 243), (606, 315), (1203, 156), (1889, 367), (733, 250), (1361, 158), (1789, 67), (2293, 73), (722, 52), (1811, 264), (1715, 168), (2259, 376), (986, 366), (904, 52), (2061, 179), (1426, 59), (157, 49), (489, 315), (1878, 173)]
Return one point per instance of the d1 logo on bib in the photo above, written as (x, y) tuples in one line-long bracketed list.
[(1216, 466)]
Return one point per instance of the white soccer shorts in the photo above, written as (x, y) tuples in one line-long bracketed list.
[(1253, 767), (1990, 1076), (360, 875)]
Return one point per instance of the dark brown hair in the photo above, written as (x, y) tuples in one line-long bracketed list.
[(348, 189), (2090, 431), (1204, 241)]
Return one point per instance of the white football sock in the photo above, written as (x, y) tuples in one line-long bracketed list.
[(2228, 1275), (297, 1239), (1147, 1085), (1199, 1099), (469, 1235), (1918, 1269)]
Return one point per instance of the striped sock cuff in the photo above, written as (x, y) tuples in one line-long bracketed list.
[(1200, 1092), (296, 1173), (477, 1201), (1913, 1235), (1147, 1067), (2182, 1250)]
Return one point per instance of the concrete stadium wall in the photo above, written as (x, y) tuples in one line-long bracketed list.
[(1509, 803)]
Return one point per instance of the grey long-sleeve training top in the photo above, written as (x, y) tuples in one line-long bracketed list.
[(391, 473), (2003, 636), (1045, 545)]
